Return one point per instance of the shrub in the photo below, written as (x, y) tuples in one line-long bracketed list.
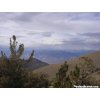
[(12, 71), (63, 79)]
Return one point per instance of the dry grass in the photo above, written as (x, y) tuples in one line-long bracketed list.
[(51, 70)]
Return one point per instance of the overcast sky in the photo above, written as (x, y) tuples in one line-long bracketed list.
[(68, 31)]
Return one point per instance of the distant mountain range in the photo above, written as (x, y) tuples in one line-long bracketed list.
[(50, 56), (58, 56), (93, 78)]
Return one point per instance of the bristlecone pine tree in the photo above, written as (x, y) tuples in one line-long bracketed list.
[(12, 71), (65, 79), (75, 76), (62, 79)]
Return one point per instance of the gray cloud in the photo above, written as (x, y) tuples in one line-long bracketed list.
[(52, 30), (96, 35)]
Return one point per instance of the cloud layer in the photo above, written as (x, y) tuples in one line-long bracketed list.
[(68, 31)]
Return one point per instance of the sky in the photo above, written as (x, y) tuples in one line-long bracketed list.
[(52, 30)]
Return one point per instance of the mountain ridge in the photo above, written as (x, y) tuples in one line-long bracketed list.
[(52, 69), (35, 64)]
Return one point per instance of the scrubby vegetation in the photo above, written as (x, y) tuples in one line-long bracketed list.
[(67, 79), (13, 73)]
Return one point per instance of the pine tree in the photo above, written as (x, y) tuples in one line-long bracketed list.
[(65, 79), (62, 79), (12, 71), (74, 76)]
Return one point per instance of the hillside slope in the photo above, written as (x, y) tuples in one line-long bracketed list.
[(51, 70), (35, 64)]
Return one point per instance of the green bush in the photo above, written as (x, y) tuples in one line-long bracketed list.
[(12, 71), (65, 79)]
